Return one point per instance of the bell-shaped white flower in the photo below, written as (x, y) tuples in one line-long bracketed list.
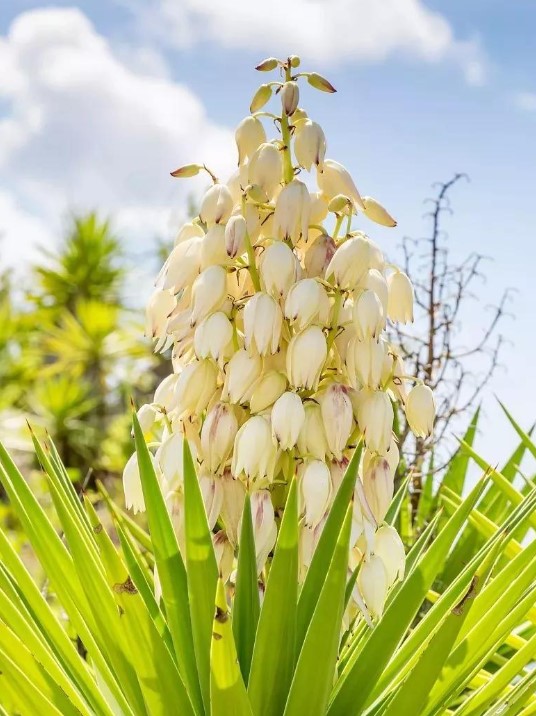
[(352, 260), (306, 355), (235, 236), (288, 416), (164, 396), (254, 453), (307, 302), (374, 211), (309, 144), (390, 548), (334, 179), (318, 256), (147, 416), (243, 370), (372, 583), (159, 308), (212, 336), (337, 414), (195, 387), (212, 493), (216, 205), (420, 410), (364, 362), (249, 135), (279, 269), (368, 315), (132, 485), (269, 387), (292, 208), (378, 485), (183, 264), (400, 304), (312, 440), (265, 169), (208, 293), (262, 324), (213, 249), (224, 552), (375, 281), (263, 519), (375, 419), (169, 459), (315, 486), (234, 494), (290, 96), (188, 231), (363, 521), (319, 207), (217, 436)]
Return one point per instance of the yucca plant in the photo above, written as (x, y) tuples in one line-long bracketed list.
[(99, 642)]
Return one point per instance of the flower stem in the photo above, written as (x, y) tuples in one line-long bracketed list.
[(288, 170), (252, 266)]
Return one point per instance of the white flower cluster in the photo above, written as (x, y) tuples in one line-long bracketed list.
[(274, 308)]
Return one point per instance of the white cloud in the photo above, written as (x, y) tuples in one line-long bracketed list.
[(526, 101), (84, 130), (325, 31)]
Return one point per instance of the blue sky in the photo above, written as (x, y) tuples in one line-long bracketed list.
[(103, 98)]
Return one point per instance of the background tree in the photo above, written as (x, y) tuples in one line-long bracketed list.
[(435, 347)]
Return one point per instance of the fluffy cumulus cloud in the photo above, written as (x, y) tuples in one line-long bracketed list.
[(329, 31), (79, 129)]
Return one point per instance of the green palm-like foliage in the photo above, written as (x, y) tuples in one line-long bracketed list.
[(460, 646)]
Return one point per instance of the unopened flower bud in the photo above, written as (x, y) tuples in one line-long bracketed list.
[(208, 293), (279, 269), (188, 231), (341, 204), (310, 144), (375, 419), (290, 96), (224, 552), (334, 179), (364, 362), (234, 494), (261, 96), (319, 82), (372, 583), (243, 370), (291, 217), (132, 485), (187, 171), (390, 548), (374, 211), (212, 336), (266, 168), (378, 485), (298, 115), (249, 135), (254, 453), (368, 315), (195, 387), (183, 264), (216, 205), (315, 491), (337, 414), (319, 207), (319, 255), (164, 396), (420, 410), (235, 236), (217, 436), (262, 324), (267, 390), (288, 416), (307, 302), (159, 308), (351, 261), (400, 305), (266, 65), (306, 355), (294, 61), (312, 440), (147, 416)]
